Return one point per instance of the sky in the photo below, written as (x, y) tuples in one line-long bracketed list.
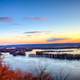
[(39, 21)]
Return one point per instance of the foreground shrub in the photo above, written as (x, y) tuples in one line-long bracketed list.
[(7, 74)]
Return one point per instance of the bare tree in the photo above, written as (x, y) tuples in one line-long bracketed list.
[(61, 75), (42, 72)]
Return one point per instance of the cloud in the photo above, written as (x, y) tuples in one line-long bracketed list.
[(32, 32), (36, 32), (56, 39), (6, 19), (36, 18)]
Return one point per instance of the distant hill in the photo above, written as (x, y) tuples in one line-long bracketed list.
[(42, 46)]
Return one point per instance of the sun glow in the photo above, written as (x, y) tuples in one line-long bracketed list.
[(40, 39)]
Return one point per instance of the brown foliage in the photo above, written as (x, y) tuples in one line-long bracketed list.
[(7, 74)]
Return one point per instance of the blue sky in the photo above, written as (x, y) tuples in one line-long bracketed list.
[(63, 16)]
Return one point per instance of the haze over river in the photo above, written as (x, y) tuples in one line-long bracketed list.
[(60, 69)]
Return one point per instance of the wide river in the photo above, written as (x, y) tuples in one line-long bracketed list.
[(60, 69)]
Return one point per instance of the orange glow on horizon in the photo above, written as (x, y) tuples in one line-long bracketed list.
[(38, 42), (38, 39)]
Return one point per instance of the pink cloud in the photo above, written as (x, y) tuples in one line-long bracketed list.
[(56, 39), (6, 19), (36, 18)]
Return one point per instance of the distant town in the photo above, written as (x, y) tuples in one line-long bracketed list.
[(56, 52)]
